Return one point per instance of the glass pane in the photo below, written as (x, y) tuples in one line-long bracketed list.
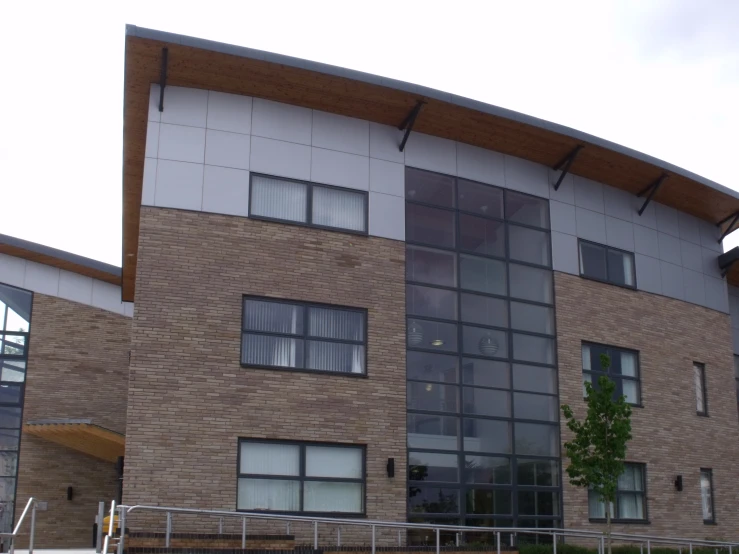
[(482, 275), (433, 432), (486, 402), (485, 501), (707, 495), (270, 458), (10, 418), (538, 503), (269, 494), (429, 187), (593, 261), (279, 199), (487, 470), (10, 394), (343, 209), (7, 490), (528, 210), (627, 365), (736, 367), (530, 317), (530, 283), (336, 324), (487, 435), (533, 439), (333, 461), (18, 314), (262, 350), (631, 391), (13, 371), (483, 310), (8, 464), (631, 479), (529, 348), (430, 302), (630, 506), (429, 225), (481, 236), (431, 466), (431, 367), (479, 198), (700, 404), (335, 356), (432, 397), (484, 342), (596, 507), (534, 378), (273, 317), (486, 373), (433, 500), (432, 335), (9, 439), (535, 406), (540, 473), (332, 497), (435, 267), (621, 268), (586, 365), (528, 245)]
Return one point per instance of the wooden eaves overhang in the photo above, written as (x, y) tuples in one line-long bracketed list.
[(197, 63)]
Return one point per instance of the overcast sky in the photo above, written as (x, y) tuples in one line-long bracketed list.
[(658, 76)]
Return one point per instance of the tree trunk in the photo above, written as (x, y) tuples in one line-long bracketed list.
[(608, 526)]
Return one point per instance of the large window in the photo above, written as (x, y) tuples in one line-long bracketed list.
[(630, 502), (606, 264), (483, 416), (306, 203), (296, 335), (707, 496), (301, 477), (15, 326), (699, 379), (624, 370)]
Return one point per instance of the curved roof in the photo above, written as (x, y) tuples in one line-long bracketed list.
[(205, 64)]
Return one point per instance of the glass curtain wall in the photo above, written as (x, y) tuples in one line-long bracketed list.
[(483, 417), (15, 326)]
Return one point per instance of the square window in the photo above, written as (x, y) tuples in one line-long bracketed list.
[(607, 264), (630, 502), (624, 369)]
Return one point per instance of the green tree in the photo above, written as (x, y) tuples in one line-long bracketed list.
[(598, 448)]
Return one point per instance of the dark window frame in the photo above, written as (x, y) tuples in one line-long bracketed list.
[(461, 414), (606, 248), (704, 392), (310, 185), (615, 378), (736, 379), (305, 337), (644, 494), (301, 478), (708, 471)]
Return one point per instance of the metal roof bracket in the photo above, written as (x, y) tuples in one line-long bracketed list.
[(163, 78), (734, 218), (652, 190), (565, 165), (408, 122)]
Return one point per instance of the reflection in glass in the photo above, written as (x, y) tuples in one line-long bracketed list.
[(486, 402), (430, 302), (432, 335), (486, 373), (432, 397), (429, 188), (487, 470), (431, 367), (487, 435), (432, 466), (534, 378), (528, 245), (479, 341), (481, 236), (433, 500), (482, 199), (486, 501), (483, 310), (529, 210), (482, 274), (531, 283), (530, 317), (433, 432), (533, 439), (541, 473), (435, 267), (429, 225)]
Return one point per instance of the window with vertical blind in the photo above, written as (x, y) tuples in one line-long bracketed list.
[(630, 502), (699, 378), (300, 477), (736, 378), (297, 335), (607, 264), (707, 496), (624, 370), (305, 203)]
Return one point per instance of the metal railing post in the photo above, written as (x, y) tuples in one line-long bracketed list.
[(338, 536), (33, 529), (106, 541), (438, 541), (373, 539), (649, 547), (122, 527), (99, 535), (168, 531), (400, 538), (288, 527), (315, 535), (602, 545), (243, 533), (497, 541), (690, 547), (641, 548), (220, 526), (554, 543)]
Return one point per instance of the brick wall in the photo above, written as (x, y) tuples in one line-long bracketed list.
[(77, 368), (668, 435), (189, 398)]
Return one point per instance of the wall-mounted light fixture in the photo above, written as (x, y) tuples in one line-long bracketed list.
[(70, 493), (679, 483), (391, 467)]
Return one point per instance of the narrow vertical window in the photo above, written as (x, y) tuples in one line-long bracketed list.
[(699, 377), (707, 496)]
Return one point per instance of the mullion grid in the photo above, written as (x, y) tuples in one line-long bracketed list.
[(462, 486), (616, 377)]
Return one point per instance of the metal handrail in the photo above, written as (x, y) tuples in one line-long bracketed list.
[(600, 536), (30, 505)]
